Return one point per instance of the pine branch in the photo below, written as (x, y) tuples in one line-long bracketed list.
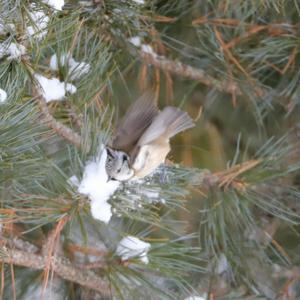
[(61, 129), (183, 70), (76, 118), (62, 267)]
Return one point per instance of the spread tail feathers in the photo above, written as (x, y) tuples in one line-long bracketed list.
[(166, 124), (176, 121)]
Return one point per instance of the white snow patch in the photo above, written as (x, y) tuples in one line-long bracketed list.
[(13, 50), (56, 4), (195, 298), (53, 89), (76, 69), (139, 1), (73, 181), (101, 210), (3, 96), (40, 22), (222, 265), (54, 63), (148, 49), (96, 186), (136, 41), (5, 28), (276, 268), (116, 11), (131, 246), (152, 194)]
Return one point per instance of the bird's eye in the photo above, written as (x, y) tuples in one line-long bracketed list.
[(125, 158), (119, 170)]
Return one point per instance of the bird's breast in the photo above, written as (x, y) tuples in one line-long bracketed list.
[(149, 158)]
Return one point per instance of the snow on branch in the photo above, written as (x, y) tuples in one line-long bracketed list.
[(98, 188), (53, 89), (131, 247)]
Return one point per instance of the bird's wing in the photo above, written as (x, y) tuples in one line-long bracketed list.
[(136, 120), (166, 124)]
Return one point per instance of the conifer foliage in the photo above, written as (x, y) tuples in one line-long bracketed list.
[(219, 220)]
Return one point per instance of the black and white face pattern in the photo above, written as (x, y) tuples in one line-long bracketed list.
[(117, 165)]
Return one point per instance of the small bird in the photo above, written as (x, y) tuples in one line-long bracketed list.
[(142, 139)]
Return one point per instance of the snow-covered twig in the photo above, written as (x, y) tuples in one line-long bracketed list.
[(54, 89), (75, 69), (97, 186), (13, 51), (131, 247)]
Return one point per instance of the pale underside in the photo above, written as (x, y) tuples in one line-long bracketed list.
[(149, 158)]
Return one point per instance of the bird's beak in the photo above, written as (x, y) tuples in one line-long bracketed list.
[(111, 178)]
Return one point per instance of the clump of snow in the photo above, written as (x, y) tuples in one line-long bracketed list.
[(222, 265), (130, 247), (136, 41), (150, 193), (101, 210), (76, 69), (54, 63), (195, 298), (3, 96), (139, 1), (40, 22), (73, 181), (148, 49), (138, 188), (56, 4), (116, 11), (98, 188), (53, 89), (12, 50), (5, 28)]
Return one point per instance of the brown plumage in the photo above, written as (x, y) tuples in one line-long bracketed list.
[(144, 133), (137, 119)]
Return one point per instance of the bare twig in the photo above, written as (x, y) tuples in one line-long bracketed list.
[(178, 68), (228, 178), (77, 118), (60, 266), (93, 265), (49, 250), (87, 250), (61, 129)]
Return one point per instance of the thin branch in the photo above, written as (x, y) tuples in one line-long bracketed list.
[(62, 267), (93, 265), (77, 119), (226, 179), (61, 129), (87, 250), (178, 68), (49, 249)]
